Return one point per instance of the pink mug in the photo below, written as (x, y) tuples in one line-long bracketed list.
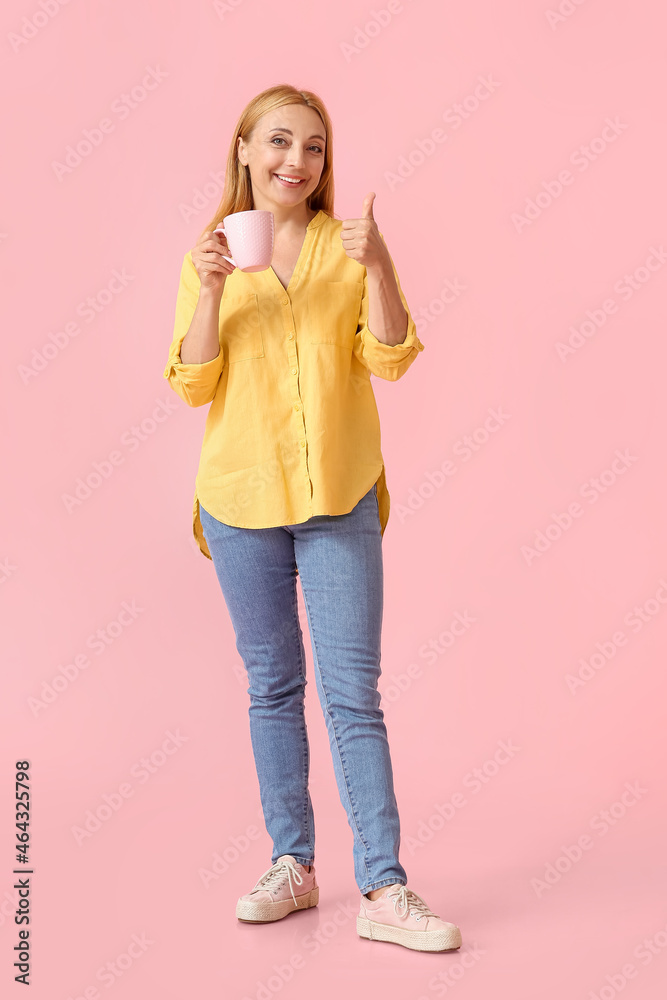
[(250, 237)]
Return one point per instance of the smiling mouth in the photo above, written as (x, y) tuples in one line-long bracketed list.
[(290, 180)]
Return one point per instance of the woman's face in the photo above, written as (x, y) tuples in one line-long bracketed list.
[(289, 142)]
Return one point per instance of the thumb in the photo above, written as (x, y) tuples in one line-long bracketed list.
[(367, 211)]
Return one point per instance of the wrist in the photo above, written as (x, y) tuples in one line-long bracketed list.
[(381, 268), (212, 295)]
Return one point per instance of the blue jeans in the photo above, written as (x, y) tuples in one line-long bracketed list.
[(339, 558)]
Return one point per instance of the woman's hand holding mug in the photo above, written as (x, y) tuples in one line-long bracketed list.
[(210, 258)]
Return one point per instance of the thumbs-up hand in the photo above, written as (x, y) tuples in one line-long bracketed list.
[(361, 237)]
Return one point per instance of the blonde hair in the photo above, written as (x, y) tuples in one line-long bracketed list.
[(237, 193)]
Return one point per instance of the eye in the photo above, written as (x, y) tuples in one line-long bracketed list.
[(280, 138)]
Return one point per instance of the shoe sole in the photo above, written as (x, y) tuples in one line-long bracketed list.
[(264, 912), (442, 940)]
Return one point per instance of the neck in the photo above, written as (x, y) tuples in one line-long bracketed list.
[(289, 219)]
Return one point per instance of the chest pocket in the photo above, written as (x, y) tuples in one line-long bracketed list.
[(333, 312), (241, 330)]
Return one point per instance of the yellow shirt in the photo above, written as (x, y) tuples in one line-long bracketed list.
[(293, 428)]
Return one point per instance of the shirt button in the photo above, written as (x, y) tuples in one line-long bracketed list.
[(303, 444), (293, 371), (297, 406), (290, 336), (284, 300)]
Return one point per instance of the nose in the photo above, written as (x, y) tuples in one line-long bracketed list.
[(296, 157)]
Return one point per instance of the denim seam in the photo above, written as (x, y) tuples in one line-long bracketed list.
[(333, 725), (304, 734)]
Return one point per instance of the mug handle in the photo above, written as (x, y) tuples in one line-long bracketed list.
[(221, 228)]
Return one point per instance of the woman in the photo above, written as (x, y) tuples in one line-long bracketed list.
[(291, 482)]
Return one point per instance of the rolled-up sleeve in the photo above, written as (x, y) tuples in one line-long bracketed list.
[(383, 360), (195, 384)]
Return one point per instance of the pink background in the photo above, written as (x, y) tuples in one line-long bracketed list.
[(539, 918)]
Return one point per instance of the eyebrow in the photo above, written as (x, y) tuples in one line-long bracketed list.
[(289, 132)]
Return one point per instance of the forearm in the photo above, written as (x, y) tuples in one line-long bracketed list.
[(387, 318), (202, 341)]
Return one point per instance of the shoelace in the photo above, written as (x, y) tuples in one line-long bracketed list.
[(410, 902), (275, 875)]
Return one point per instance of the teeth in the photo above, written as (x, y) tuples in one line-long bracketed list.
[(290, 180)]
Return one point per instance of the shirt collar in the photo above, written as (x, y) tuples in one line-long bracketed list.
[(317, 220)]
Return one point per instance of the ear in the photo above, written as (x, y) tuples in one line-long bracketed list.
[(240, 150)]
